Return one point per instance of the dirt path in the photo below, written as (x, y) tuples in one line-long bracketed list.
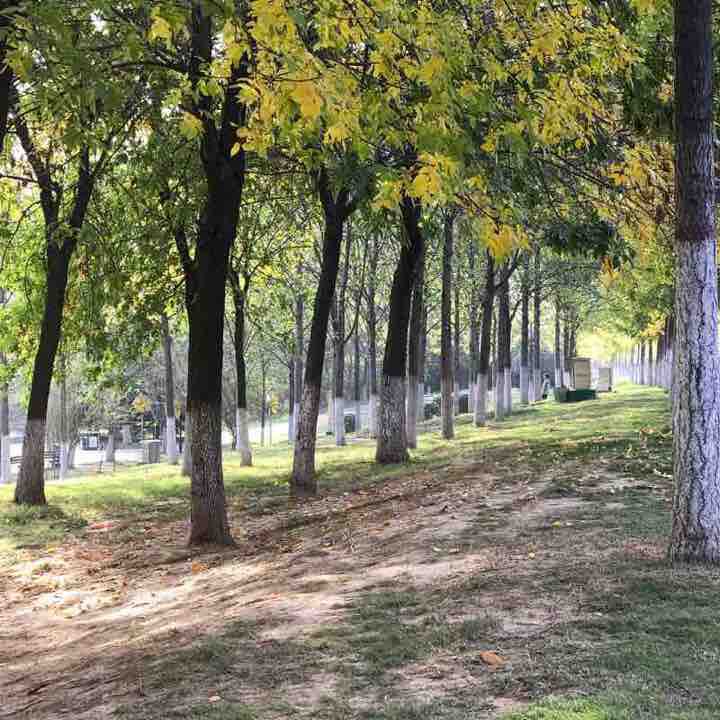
[(349, 607)]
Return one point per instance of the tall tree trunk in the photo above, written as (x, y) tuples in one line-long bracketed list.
[(525, 332), (474, 334), (299, 354), (414, 351), (64, 444), (446, 344), (372, 342), (696, 412), (537, 300), (356, 379), (506, 345), (206, 309), (485, 342), (392, 438), (336, 211), (171, 437)]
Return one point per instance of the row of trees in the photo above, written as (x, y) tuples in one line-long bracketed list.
[(331, 165)]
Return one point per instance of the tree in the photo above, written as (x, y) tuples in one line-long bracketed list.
[(696, 411)]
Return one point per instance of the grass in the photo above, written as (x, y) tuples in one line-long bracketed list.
[(575, 596)]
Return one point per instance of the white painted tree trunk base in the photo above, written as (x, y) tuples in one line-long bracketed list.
[(243, 437), (296, 420), (110, 448), (171, 441), (524, 385), (500, 396), (339, 409), (508, 391), (5, 467), (481, 401), (64, 460), (372, 415)]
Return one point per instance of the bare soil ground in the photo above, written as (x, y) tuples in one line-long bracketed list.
[(382, 601)]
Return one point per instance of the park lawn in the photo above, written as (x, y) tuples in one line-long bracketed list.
[(540, 539)]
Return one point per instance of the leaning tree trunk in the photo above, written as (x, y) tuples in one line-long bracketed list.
[(30, 488), (696, 412), (170, 434), (414, 351), (303, 481), (392, 438), (525, 333), (481, 392), (446, 344)]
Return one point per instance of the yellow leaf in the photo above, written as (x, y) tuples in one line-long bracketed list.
[(160, 28), (308, 99)]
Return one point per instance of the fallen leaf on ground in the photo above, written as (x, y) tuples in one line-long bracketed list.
[(491, 658)]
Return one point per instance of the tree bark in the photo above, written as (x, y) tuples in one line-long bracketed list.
[(414, 352), (447, 365), (171, 437), (559, 380), (392, 438), (696, 412), (299, 353), (336, 211), (485, 343)]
